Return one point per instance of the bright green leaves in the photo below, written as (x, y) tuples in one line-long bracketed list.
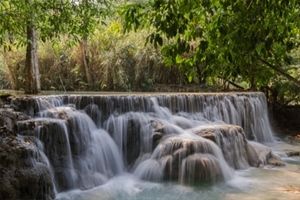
[(13, 14), (52, 18), (228, 39), (174, 24)]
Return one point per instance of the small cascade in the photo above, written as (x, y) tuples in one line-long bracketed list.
[(238, 153), (186, 158), (247, 110), (187, 138), (81, 155), (132, 132)]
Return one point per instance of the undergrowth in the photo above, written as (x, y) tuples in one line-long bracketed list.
[(119, 62)]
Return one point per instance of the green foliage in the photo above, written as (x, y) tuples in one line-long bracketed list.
[(119, 62), (52, 18), (245, 42), (245, 39), (283, 90), (21, 19), (3, 79), (11, 68), (122, 62)]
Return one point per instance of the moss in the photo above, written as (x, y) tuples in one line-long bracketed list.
[(5, 94)]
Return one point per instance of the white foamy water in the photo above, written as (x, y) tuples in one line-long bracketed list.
[(266, 183)]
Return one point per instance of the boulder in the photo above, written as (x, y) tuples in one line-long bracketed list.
[(231, 139), (189, 159), (8, 118), (266, 156), (24, 173)]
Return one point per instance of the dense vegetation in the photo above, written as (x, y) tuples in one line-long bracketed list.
[(134, 45)]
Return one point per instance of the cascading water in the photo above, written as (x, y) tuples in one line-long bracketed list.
[(189, 139), (82, 155)]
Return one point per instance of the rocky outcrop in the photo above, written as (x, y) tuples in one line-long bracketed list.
[(81, 155), (266, 156), (238, 152), (231, 139), (205, 154), (178, 152), (188, 159), (24, 173), (8, 118)]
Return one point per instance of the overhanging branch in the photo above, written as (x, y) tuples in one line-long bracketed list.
[(280, 71)]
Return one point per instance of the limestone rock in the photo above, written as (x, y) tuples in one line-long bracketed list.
[(189, 159), (24, 173), (233, 143), (266, 156)]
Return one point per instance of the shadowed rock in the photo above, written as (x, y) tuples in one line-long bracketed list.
[(24, 172)]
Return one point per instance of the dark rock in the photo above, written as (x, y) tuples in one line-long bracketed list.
[(24, 173), (293, 153), (9, 117), (156, 136), (287, 119), (25, 105)]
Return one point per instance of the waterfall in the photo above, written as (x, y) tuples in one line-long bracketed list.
[(81, 155), (187, 138)]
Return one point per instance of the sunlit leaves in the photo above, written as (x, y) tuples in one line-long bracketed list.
[(76, 18)]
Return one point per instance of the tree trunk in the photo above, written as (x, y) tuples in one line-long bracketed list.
[(86, 62), (32, 76)]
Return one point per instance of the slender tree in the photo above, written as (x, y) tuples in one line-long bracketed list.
[(32, 84), (23, 22), (90, 14)]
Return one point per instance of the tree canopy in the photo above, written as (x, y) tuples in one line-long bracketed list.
[(76, 18), (20, 19), (248, 43), (246, 39)]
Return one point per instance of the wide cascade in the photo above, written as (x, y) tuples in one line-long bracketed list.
[(186, 138)]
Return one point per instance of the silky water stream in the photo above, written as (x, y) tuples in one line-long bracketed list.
[(175, 146)]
